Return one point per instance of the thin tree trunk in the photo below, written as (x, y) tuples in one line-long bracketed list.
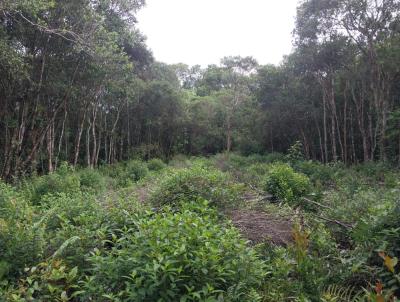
[(345, 151), (88, 146), (325, 130), (93, 126), (228, 133), (359, 104), (79, 137), (61, 137)]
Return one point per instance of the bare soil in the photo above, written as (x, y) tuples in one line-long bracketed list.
[(258, 226)]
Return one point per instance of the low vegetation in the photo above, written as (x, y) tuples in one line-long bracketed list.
[(83, 235)]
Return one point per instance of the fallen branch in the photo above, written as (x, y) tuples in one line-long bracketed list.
[(316, 203), (342, 224)]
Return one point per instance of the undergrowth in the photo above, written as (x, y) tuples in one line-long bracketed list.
[(82, 235)]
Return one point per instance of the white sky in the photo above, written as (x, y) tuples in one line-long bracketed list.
[(204, 31)]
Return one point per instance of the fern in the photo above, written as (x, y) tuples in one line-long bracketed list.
[(63, 246), (337, 293)]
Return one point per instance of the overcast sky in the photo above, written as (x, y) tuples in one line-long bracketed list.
[(204, 31)]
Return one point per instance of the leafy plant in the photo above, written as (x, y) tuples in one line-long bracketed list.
[(194, 183), (156, 164), (166, 258), (92, 181), (136, 170), (286, 184), (295, 152), (51, 280), (21, 233), (64, 180), (336, 293)]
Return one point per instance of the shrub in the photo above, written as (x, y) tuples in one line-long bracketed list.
[(255, 174), (156, 164), (299, 270), (136, 170), (125, 174), (21, 235), (317, 172), (194, 183), (69, 216), (92, 181), (274, 157), (51, 280), (286, 184), (64, 180), (236, 160), (166, 258), (295, 152), (180, 161)]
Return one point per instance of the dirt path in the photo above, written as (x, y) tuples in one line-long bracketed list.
[(258, 226)]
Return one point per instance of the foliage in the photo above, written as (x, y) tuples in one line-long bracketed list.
[(317, 172), (51, 280), (286, 184), (80, 245), (127, 173), (21, 233), (190, 184), (295, 152), (294, 271), (165, 258), (155, 164), (92, 181), (62, 181), (136, 170)]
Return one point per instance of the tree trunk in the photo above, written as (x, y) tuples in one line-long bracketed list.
[(228, 133), (79, 137), (326, 158), (359, 104)]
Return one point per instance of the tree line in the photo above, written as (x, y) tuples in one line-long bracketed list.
[(79, 84)]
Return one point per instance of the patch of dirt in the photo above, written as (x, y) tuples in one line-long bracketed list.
[(260, 227), (143, 193)]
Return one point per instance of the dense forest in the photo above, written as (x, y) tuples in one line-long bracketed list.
[(124, 179), (80, 85)]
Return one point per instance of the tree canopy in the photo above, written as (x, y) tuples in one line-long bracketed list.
[(79, 84)]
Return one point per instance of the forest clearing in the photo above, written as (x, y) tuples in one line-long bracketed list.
[(224, 228), (124, 178)]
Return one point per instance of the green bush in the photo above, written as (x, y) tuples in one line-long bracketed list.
[(237, 161), (255, 174), (317, 172), (194, 183), (378, 173), (286, 184), (92, 181), (69, 216), (184, 256), (274, 157), (180, 161), (64, 180), (126, 173), (21, 234), (301, 269), (136, 170), (295, 152), (156, 164), (51, 280)]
